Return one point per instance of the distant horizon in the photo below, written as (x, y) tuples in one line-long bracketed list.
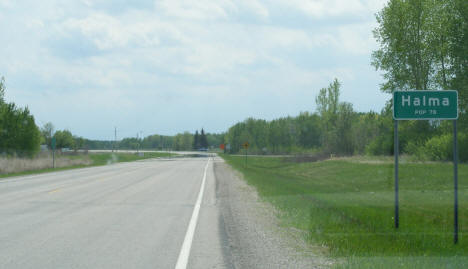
[(211, 132)]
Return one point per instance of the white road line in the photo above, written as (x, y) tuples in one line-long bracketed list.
[(184, 254)]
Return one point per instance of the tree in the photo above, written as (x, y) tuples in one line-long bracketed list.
[(327, 106), (78, 143), (308, 130), (406, 52), (196, 141), (364, 130), (344, 123), (337, 120), (2, 90), (64, 139), (458, 51), (18, 132), (423, 44), (129, 143), (214, 140), (47, 132), (183, 141), (203, 140), (328, 98)]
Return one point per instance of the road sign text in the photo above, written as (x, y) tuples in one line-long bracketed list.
[(424, 105)]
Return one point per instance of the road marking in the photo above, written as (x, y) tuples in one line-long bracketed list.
[(187, 245), (53, 191)]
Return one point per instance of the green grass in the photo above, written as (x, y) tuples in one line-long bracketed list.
[(347, 206), (97, 159)]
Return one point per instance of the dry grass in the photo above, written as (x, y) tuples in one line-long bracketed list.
[(10, 165)]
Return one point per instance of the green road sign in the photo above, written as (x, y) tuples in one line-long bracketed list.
[(425, 105), (53, 143)]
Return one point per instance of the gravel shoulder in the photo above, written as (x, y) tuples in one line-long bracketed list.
[(251, 233)]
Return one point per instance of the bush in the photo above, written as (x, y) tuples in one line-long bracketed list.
[(381, 145), (440, 148), (417, 151)]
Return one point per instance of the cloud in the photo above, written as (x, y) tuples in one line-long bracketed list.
[(355, 38), (181, 59), (117, 7), (104, 31), (194, 10), (6, 3), (321, 9), (256, 7)]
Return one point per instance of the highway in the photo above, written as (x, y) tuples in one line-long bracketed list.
[(128, 215), (158, 213)]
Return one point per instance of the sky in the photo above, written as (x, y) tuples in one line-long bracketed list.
[(169, 66)]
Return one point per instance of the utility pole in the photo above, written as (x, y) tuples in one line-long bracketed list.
[(115, 140), (141, 136), (138, 145)]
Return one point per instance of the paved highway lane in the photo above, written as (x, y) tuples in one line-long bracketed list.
[(145, 214), (128, 215)]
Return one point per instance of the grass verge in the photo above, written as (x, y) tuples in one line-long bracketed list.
[(109, 158), (95, 159), (346, 205)]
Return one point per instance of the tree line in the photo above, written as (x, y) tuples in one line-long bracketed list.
[(423, 45), (185, 141), (335, 128), (20, 136)]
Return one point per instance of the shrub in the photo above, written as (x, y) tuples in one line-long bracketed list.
[(381, 145), (417, 151), (440, 148)]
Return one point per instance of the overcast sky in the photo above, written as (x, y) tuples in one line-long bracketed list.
[(169, 66)]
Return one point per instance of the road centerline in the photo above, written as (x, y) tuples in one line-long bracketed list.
[(54, 191), (184, 254)]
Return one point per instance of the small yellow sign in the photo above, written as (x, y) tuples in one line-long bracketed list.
[(246, 145)]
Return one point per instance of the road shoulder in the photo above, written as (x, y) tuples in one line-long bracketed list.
[(252, 234)]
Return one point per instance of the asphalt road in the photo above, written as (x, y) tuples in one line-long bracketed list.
[(128, 215), (145, 214)]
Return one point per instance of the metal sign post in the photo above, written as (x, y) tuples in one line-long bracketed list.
[(246, 157), (455, 181), (427, 105), (53, 151), (396, 152)]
